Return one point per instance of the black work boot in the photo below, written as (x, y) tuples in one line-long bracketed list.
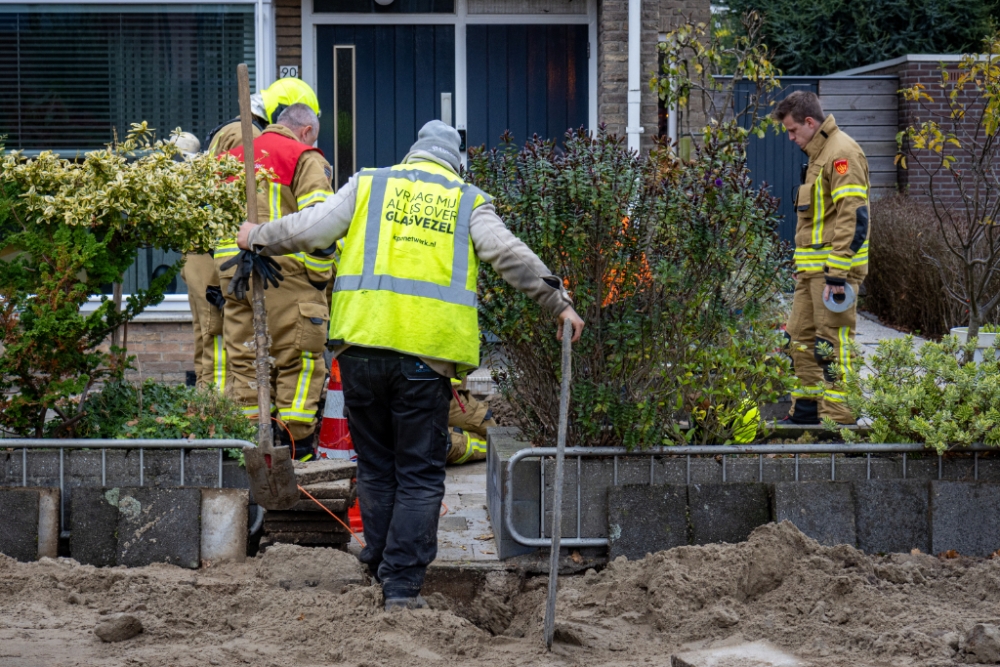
[(804, 413)]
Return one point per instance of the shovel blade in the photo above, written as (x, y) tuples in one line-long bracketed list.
[(274, 487)]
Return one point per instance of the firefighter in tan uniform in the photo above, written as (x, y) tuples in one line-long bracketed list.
[(468, 419), (199, 270), (831, 252), (297, 312)]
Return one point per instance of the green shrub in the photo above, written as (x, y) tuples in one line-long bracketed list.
[(673, 265), (69, 228), (160, 411), (928, 395), (903, 287)]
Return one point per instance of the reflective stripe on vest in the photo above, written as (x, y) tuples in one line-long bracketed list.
[(417, 315)]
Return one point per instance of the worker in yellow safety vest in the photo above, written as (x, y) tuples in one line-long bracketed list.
[(403, 321), (831, 259), (199, 271), (297, 311)]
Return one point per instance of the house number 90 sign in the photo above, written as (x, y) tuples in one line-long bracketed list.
[(286, 71)]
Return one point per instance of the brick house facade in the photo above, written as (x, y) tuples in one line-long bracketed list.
[(164, 350)]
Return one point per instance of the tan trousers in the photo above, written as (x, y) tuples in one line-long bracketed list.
[(209, 350), (468, 428), (821, 351), (298, 322)]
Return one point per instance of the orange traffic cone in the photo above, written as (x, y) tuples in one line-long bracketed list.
[(334, 438), (354, 514)]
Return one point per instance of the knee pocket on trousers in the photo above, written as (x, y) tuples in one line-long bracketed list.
[(214, 322), (312, 326)]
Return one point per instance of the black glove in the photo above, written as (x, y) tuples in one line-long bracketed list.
[(214, 295), (247, 263)]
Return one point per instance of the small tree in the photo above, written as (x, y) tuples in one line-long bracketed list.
[(958, 149), (673, 265), (715, 68), (69, 228)]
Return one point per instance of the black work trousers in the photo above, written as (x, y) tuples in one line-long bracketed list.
[(397, 413)]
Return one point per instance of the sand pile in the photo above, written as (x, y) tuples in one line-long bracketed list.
[(294, 606)]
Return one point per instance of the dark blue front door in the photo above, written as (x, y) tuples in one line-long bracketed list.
[(529, 79), (399, 75)]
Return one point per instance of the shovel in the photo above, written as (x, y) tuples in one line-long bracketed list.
[(567, 369), (272, 477)]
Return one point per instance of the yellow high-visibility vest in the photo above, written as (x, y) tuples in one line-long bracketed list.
[(406, 279)]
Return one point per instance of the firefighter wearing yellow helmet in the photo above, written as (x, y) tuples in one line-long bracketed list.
[(199, 272), (266, 106)]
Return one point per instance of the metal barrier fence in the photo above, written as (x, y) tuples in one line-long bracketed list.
[(688, 451), (24, 444)]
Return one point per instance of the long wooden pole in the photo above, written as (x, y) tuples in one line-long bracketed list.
[(567, 372), (261, 339)]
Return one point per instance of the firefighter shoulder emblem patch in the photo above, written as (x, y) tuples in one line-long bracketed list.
[(840, 166)]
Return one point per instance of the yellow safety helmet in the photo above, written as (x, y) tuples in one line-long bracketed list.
[(286, 92)]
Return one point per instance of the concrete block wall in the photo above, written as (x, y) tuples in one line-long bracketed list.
[(728, 496), (612, 64)]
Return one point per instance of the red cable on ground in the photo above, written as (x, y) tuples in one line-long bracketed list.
[(309, 495)]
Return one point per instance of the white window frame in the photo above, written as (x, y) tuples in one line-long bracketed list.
[(460, 19)]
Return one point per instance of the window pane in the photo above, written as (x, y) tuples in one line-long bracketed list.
[(73, 74), (343, 87), (394, 7)]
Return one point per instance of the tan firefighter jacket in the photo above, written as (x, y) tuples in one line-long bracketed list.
[(229, 136), (832, 205)]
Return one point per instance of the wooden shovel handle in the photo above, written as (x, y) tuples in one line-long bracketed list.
[(265, 438)]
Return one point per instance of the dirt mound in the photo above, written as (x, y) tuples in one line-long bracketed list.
[(832, 606), (291, 566)]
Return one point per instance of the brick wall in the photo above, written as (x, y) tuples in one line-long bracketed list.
[(288, 27), (164, 351), (914, 181), (612, 64)]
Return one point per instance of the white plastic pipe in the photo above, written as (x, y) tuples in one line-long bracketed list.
[(672, 118), (634, 129)]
